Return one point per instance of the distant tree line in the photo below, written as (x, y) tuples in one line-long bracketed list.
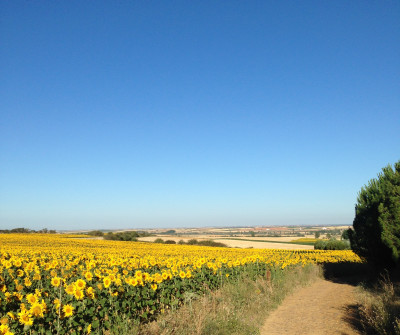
[(204, 243), (27, 231), (168, 232), (122, 236), (95, 233)]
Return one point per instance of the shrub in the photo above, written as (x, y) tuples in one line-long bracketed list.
[(331, 245), (345, 234), (211, 243), (170, 242), (205, 243), (158, 240), (125, 236), (96, 233)]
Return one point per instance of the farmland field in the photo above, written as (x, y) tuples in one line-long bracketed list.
[(61, 284), (249, 242)]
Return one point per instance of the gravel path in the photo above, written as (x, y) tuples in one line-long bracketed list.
[(324, 308)]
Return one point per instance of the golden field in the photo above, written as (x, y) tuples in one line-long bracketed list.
[(63, 284)]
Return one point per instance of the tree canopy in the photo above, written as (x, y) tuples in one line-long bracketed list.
[(376, 226)]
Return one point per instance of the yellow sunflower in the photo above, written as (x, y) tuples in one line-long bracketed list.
[(70, 289), (80, 284), (107, 282), (37, 310), (56, 281), (25, 318), (79, 294), (31, 298), (68, 310), (88, 276)]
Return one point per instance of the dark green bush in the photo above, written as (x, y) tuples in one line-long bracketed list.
[(331, 245), (211, 243), (205, 243), (125, 236), (96, 233)]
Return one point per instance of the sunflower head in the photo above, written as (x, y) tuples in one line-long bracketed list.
[(80, 284), (79, 295), (25, 318), (37, 310), (31, 298), (56, 281), (107, 282), (70, 289), (68, 310)]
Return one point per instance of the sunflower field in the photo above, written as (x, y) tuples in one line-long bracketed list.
[(65, 284)]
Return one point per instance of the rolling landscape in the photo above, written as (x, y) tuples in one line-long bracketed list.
[(199, 167)]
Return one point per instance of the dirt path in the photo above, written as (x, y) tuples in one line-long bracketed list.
[(324, 308)]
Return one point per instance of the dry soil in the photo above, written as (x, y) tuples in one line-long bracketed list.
[(324, 308)]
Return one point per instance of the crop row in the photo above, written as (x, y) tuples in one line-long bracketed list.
[(60, 284)]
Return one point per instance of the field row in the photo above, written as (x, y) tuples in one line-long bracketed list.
[(59, 284)]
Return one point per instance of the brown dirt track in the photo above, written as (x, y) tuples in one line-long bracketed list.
[(324, 308)]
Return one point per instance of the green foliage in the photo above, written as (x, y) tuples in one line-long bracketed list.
[(96, 233), (204, 243), (345, 234), (317, 234), (210, 243), (21, 231), (376, 233), (125, 236), (27, 231), (158, 240), (331, 245)]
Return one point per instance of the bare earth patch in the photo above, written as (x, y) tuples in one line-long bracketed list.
[(236, 243), (323, 308), (264, 245)]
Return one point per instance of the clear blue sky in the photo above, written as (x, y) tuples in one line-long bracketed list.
[(127, 114)]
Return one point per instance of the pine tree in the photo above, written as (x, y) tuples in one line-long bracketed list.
[(376, 226)]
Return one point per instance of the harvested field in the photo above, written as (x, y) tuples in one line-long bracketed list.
[(237, 243), (264, 245)]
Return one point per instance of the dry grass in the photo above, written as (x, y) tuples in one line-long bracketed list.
[(237, 308), (379, 308)]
